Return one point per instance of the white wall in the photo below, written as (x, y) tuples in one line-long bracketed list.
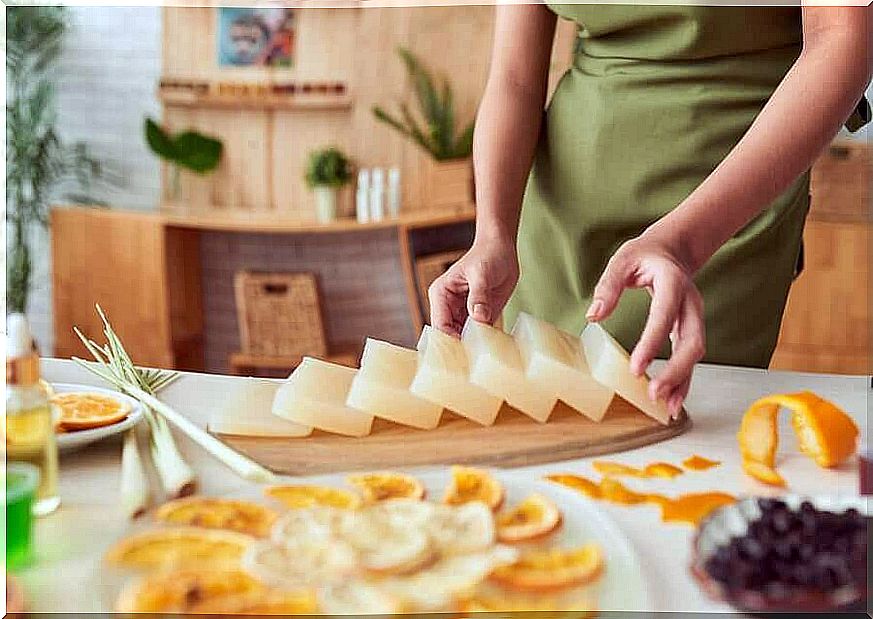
[(107, 78)]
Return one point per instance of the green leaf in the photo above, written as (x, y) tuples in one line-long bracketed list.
[(464, 145), (160, 143), (197, 152), (436, 107), (388, 119), (328, 167)]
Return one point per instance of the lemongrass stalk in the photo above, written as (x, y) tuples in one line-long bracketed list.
[(176, 476), (116, 367), (134, 483), (238, 463)]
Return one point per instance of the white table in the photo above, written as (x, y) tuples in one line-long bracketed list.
[(70, 541)]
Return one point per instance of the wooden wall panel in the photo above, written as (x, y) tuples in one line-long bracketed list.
[(827, 319), (357, 46), (294, 135), (242, 178), (380, 79)]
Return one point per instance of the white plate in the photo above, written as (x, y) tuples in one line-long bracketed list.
[(71, 441), (623, 587)]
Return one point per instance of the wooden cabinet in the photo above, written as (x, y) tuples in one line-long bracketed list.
[(826, 327), (143, 274)]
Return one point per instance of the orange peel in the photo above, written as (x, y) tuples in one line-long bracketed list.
[(825, 433), (699, 463)]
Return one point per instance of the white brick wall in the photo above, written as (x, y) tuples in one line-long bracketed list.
[(107, 76)]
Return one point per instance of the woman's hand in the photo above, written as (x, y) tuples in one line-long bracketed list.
[(676, 311), (477, 285)]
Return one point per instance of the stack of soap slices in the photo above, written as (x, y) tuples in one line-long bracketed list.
[(530, 369)]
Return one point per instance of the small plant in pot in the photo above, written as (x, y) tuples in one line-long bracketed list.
[(328, 170), (433, 127)]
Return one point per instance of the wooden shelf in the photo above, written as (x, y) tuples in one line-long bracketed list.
[(245, 363), (313, 101), (273, 222)]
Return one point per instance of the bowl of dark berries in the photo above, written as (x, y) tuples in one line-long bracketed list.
[(791, 554)]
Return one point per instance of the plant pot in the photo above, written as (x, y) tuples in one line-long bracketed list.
[(449, 183), (325, 203)]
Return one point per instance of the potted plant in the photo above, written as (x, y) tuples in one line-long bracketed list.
[(450, 178), (187, 150), (39, 164), (326, 172)]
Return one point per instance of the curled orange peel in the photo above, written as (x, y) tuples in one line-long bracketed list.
[(825, 433)]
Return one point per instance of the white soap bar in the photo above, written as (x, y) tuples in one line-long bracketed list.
[(610, 365), (381, 387), (315, 395), (496, 366), (246, 412), (443, 377), (553, 359)]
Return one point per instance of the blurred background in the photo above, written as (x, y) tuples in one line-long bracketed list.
[(238, 187)]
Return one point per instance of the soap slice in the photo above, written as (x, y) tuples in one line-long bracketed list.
[(246, 412), (381, 387), (315, 395), (554, 360), (610, 365), (443, 377), (497, 367)]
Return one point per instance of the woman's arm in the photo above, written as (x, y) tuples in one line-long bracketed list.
[(507, 130), (805, 112)]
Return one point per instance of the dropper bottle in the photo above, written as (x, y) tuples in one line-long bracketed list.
[(29, 427)]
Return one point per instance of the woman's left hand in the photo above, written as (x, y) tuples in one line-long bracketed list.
[(650, 262)]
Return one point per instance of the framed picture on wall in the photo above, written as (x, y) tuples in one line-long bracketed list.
[(256, 37)]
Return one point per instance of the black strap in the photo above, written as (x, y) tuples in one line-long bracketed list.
[(861, 116)]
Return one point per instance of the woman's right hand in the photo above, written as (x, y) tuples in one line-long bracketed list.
[(478, 285)]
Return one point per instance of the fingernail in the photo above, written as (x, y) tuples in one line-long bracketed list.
[(675, 406), (481, 313), (594, 309)]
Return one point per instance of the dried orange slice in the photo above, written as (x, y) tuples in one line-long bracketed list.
[(284, 603), (825, 433), (241, 516), (580, 484), (298, 497), (83, 411), (180, 548), (562, 605), (469, 484), (533, 518), (386, 485), (551, 570), (184, 590)]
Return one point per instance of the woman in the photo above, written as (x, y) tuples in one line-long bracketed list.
[(672, 160)]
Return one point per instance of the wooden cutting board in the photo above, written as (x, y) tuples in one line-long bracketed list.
[(514, 440)]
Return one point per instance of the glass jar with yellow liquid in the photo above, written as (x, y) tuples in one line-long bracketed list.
[(28, 426)]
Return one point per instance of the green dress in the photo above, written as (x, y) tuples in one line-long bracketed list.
[(657, 96)]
